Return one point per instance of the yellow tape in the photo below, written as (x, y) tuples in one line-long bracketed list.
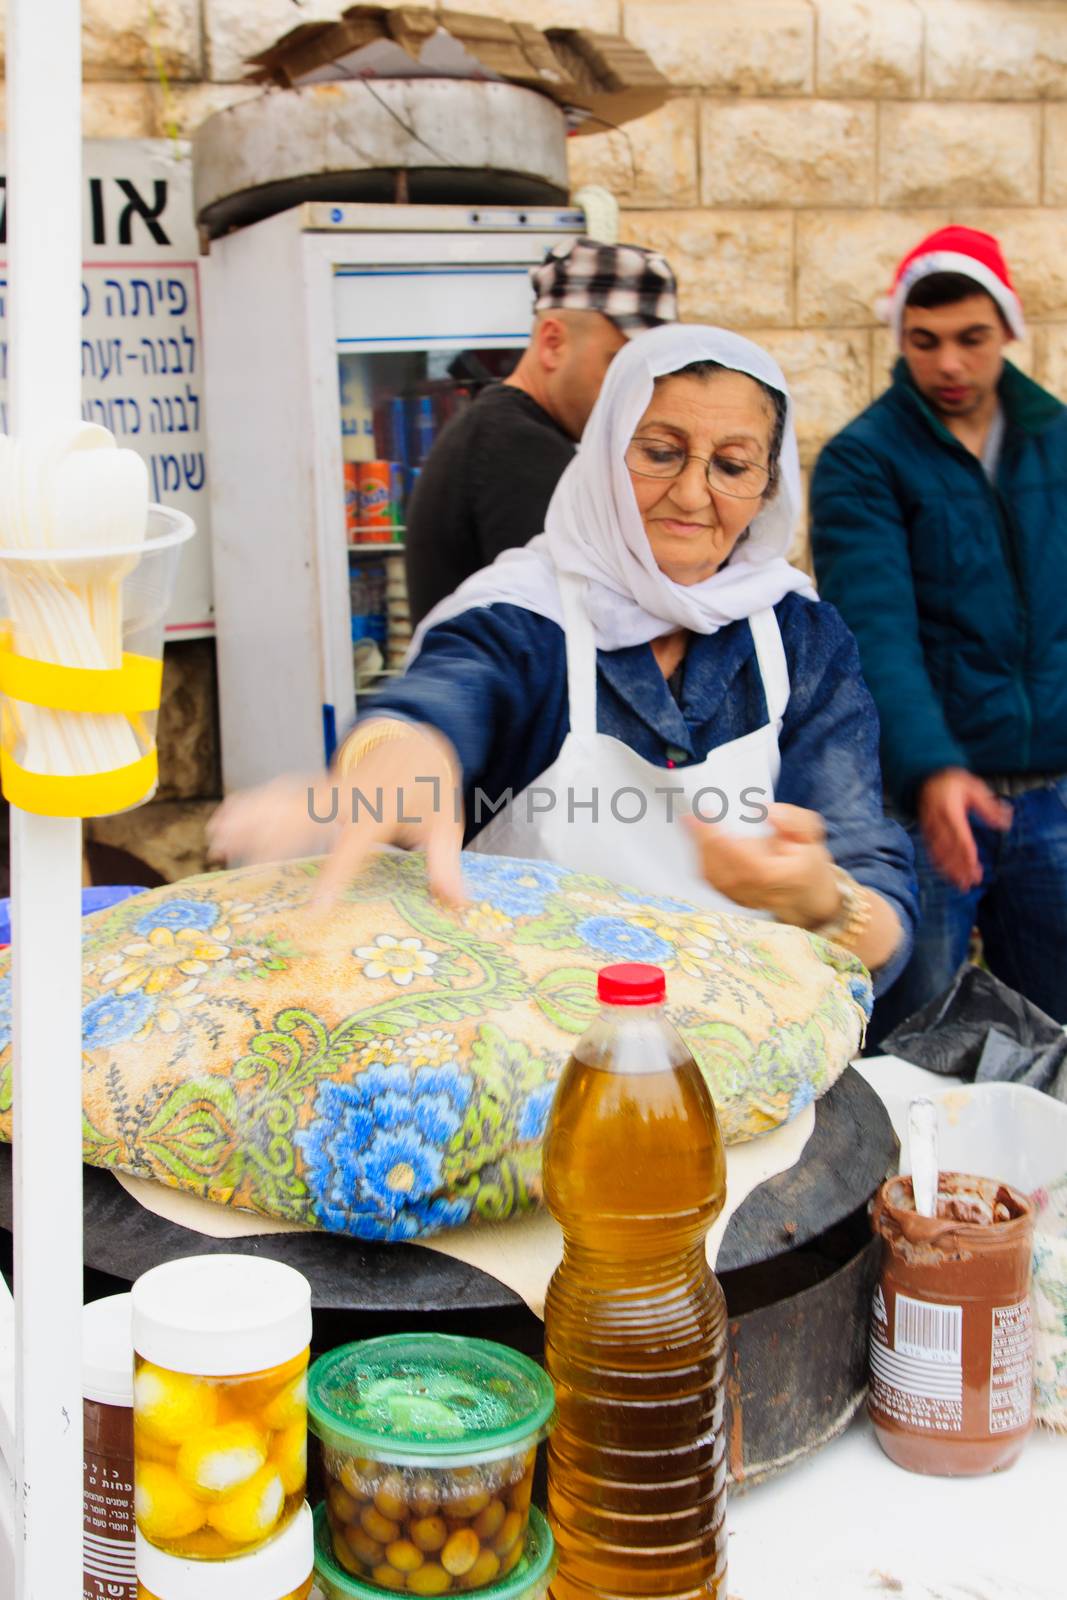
[(98, 795), (135, 686)]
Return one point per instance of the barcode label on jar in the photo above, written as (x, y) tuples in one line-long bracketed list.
[(932, 1333), (917, 1374), (1011, 1368)]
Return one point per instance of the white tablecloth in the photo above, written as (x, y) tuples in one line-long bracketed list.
[(847, 1525)]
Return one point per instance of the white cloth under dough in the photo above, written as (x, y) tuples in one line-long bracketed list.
[(522, 1253)]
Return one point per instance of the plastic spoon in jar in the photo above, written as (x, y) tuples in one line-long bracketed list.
[(922, 1150)]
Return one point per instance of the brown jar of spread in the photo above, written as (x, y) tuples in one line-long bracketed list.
[(951, 1345)]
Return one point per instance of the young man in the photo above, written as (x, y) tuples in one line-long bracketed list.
[(939, 530), (486, 484)]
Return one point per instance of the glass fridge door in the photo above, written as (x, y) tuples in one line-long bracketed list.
[(415, 345)]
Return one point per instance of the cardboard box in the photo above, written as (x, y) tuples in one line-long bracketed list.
[(600, 80)]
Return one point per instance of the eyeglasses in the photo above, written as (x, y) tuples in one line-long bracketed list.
[(744, 480)]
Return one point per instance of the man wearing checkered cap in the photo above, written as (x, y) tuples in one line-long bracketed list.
[(634, 288), (486, 484)]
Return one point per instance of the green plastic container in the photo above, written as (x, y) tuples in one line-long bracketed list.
[(529, 1580), (428, 1451)]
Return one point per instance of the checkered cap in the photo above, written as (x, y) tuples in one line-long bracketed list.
[(634, 287)]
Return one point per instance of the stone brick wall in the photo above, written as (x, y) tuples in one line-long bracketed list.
[(811, 142)]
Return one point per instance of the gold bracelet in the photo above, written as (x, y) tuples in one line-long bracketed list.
[(357, 745), (853, 914)]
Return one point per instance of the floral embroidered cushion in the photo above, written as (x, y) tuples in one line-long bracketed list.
[(386, 1069)]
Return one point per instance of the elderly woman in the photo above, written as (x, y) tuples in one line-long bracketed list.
[(648, 691)]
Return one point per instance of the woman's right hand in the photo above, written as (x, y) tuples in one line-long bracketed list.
[(405, 790), (788, 871)]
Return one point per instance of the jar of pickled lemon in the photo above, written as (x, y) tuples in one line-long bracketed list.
[(281, 1569), (428, 1450), (219, 1403)]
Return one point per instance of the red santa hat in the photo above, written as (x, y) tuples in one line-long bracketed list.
[(965, 250)]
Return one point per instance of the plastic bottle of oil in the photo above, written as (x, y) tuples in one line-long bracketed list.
[(635, 1321)]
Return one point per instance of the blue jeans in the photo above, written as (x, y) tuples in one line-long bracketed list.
[(1020, 909)]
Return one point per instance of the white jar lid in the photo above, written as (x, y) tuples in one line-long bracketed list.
[(272, 1572), (107, 1351), (216, 1315)]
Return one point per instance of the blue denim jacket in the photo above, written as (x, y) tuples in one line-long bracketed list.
[(494, 681)]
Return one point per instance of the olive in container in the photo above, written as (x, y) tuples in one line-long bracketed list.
[(219, 1403), (528, 1579), (428, 1451)]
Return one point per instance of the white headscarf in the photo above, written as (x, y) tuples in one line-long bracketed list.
[(593, 527)]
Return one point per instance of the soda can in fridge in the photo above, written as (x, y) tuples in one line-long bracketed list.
[(398, 428), (425, 426), (352, 500), (375, 502), (397, 498)]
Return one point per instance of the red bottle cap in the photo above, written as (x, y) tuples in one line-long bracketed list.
[(631, 983)]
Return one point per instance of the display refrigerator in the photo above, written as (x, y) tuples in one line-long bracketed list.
[(339, 340)]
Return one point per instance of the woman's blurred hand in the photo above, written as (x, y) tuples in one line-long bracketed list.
[(789, 872), (405, 790)]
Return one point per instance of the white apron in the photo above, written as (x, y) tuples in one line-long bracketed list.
[(631, 837)]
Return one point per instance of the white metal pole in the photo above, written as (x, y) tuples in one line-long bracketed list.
[(44, 268)]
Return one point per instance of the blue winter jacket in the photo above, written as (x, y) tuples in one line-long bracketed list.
[(955, 587), (494, 681)]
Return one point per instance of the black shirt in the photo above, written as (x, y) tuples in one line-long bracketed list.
[(485, 487)]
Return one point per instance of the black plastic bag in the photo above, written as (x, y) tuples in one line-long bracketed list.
[(981, 1029)]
